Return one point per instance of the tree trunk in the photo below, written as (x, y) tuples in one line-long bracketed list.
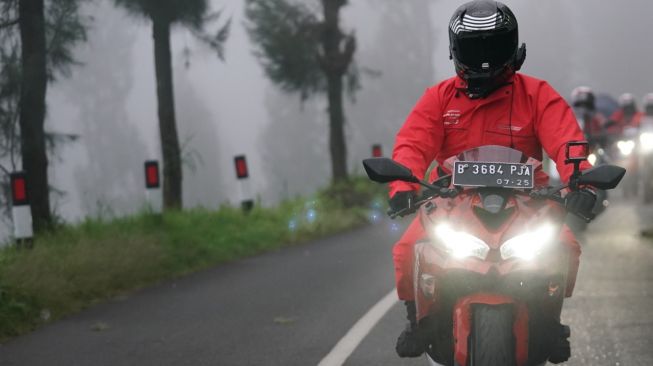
[(172, 173), (335, 71), (337, 142), (32, 110)]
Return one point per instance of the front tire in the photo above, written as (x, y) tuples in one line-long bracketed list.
[(492, 342)]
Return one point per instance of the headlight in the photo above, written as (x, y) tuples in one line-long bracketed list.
[(460, 244), (592, 159), (626, 147), (646, 140), (528, 245)]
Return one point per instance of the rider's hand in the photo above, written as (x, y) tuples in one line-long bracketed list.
[(402, 201), (581, 202)]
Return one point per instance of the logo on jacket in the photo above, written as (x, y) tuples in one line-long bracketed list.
[(509, 127), (452, 117)]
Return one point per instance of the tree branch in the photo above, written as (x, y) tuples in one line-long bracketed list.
[(5, 170), (9, 23)]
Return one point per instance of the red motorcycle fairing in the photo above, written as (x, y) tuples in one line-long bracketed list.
[(462, 325), (447, 285), (475, 275), (459, 212)]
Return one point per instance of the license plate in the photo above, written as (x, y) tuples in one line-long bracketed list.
[(499, 175)]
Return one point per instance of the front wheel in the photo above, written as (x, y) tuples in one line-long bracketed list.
[(492, 341)]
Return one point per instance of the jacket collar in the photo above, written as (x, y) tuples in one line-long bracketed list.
[(502, 92)]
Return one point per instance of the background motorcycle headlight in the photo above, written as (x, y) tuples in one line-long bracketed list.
[(528, 245), (646, 141), (626, 147), (460, 244), (592, 159)]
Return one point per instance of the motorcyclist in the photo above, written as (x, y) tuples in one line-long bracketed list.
[(646, 125), (627, 116), (591, 121), (648, 105), (646, 149), (623, 130), (487, 103)]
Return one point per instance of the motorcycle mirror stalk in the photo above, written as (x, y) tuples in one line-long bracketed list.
[(386, 170), (576, 153), (602, 177)]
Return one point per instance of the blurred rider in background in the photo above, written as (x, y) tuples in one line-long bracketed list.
[(648, 107), (627, 116), (623, 130), (590, 120), (646, 149)]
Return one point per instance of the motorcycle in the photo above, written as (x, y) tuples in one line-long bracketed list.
[(646, 158), (628, 158), (490, 279)]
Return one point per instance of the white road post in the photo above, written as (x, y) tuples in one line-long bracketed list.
[(20, 209), (245, 188), (153, 194)]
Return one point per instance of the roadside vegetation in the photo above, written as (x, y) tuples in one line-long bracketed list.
[(79, 265)]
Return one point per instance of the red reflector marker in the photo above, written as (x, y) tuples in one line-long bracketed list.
[(241, 167), (377, 151), (18, 189), (152, 180)]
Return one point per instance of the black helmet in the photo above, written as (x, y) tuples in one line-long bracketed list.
[(583, 96), (628, 103), (484, 44)]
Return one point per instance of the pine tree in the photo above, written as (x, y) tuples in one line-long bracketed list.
[(305, 50), (194, 15), (36, 42)]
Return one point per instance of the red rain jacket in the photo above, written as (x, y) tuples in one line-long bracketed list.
[(622, 123), (595, 126), (446, 122)]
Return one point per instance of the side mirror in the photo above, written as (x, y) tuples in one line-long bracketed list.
[(385, 170), (602, 177)]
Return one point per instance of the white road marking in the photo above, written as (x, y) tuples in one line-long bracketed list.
[(348, 344)]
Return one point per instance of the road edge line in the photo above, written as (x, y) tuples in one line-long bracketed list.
[(348, 344)]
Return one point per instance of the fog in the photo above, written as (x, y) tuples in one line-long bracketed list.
[(227, 109)]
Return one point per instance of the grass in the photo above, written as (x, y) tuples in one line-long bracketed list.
[(77, 266)]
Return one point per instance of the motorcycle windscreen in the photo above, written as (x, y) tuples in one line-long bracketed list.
[(493, 154)]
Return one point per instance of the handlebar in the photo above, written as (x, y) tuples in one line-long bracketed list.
[(550, 193), (426, 196)]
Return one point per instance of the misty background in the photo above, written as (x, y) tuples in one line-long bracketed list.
[(228, 109)]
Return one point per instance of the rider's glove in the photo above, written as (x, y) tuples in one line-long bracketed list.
[(581, 202), (402, 201)]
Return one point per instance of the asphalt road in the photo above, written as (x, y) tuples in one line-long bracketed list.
[(292, 306)]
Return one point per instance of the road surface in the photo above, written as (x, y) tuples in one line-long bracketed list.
[(293, 306)]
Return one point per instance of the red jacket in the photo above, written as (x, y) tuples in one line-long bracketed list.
[(622, 122), (446, 122), (595, 126)]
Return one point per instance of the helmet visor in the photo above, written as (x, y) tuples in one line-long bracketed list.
[(486, 51)]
